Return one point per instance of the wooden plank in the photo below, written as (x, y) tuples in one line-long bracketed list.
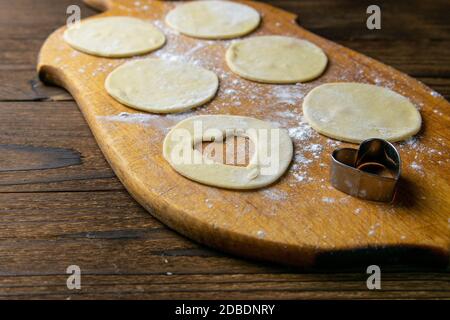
[(43, 127), (136, 257), (22, 23), (24, 85), (426, 58), (217, 287), (17, 54), (118, 232), (346, 19), (26, 158), (103, 224)]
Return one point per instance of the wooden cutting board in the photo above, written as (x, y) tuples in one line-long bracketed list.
[(299, 220)]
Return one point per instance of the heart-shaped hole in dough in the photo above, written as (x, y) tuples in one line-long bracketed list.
[(234, 151)]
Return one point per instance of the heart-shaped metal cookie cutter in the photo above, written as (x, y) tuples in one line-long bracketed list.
[(370, 172)]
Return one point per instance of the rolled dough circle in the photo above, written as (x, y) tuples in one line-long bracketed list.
[(213, 19), (226, 176), (354, 112), (276, 59), (114, 37), (161, 86)]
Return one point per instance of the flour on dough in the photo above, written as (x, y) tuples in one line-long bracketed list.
[(355, 112), (276, 59), (114, 37), (213, 19), (161, 86), (273, 151)]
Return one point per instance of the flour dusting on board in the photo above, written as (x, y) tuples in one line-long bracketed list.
[(161, 122), (261, 234), (290, 94), (274, 194), (328, 200)]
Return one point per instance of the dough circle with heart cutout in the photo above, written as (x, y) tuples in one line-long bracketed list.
[(354, 112), (114, 37), (271, 158), (213, 19), (161, 86), (276, 59)]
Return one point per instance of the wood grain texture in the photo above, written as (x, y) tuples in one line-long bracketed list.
[(24, 158), (87, 200), (301, 220)]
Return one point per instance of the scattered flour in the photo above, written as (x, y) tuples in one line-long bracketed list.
[(305, 150), (261, 234), (209, 203), (328, 200), (274, 194), (416, 166), (144, 118), (302, 132), (373, 229), (435, 94), (290, 94)]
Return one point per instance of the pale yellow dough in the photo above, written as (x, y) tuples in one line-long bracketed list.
[(226, 176), (276, 59), (114, 37), (213, 19), (161, 86), (355, 112)]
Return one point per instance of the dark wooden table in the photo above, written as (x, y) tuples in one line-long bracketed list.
[(61, 204)]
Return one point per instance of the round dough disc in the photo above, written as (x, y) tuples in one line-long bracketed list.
[(355, 112), (161, 86), (257, 174), (114, 37), (213, 19), (276, 59)]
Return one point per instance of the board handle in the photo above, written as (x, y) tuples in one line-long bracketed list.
[(100, 5)]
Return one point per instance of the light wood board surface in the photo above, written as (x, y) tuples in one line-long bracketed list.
[(297, 220)]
